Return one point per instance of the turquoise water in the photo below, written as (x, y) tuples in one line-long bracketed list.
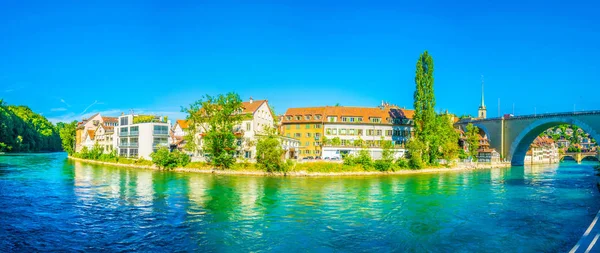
[(48, 203)]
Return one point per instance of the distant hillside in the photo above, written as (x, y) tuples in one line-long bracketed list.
[(22, 130), (572, 133)]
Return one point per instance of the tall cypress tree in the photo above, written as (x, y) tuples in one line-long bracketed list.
[(424, 103)]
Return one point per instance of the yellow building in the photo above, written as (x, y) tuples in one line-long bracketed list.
[(306, 125)]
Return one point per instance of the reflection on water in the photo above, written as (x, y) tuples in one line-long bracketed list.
[(46, 200)]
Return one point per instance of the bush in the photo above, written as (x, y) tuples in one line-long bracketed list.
[(269, 153), (402, 163), (383, 165), (169, 160)]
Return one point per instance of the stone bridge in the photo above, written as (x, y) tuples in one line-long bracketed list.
[(511, 136), (579, 156)]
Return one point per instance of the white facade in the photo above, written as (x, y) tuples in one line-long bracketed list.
[(90, 124), (371, 136), (104, 137), (543, 155), (139, 140)]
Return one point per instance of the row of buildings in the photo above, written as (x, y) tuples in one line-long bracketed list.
[(305, 133), (312, 132)]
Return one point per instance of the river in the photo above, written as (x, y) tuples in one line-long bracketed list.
[(48, 203)]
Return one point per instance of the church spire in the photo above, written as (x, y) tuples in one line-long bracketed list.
[(482, 101), (482, 112)]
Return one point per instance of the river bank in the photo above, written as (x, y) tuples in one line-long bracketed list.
[(303, 173)]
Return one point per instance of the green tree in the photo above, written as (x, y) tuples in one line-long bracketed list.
[(448, 138), (472, 136), (425, 116), (416, 148), (22, 130), (67, 135), (336, 141), (215, 118), (269, 153)]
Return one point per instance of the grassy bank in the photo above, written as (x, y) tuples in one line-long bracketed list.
[(297, 169)]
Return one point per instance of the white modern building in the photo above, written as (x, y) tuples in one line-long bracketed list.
[(138, 136)]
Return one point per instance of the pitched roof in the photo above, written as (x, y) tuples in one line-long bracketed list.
[(110, 119), (346, 111), (182, 123), (252, 107), (91, 134)]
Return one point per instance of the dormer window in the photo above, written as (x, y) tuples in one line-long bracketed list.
[(375, 120), (318, 116), (307, 117), (288, 117), (298, 117)]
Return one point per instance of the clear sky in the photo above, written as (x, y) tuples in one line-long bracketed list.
[(69, 59)]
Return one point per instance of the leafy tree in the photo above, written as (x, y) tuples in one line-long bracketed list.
[(416, 148), (336, 141), (472, 136), (22, 130), (269, 153), (387, 153), (215, 118), (169, 160), (67, 135), (448, 138), (425, 117), (358, 142)]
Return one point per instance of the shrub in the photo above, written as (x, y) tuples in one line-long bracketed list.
[(383, 165), (402, 163), (269, 154), (169, 160)]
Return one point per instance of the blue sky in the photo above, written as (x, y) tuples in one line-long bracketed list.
[(70, 59)]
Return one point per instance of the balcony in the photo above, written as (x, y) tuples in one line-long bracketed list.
[(158, 132), (128, 145), (123, 133), (134, 133)]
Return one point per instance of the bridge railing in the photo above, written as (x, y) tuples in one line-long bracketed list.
[(543, 115)]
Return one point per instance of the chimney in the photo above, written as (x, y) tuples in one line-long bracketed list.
[(251, 100)]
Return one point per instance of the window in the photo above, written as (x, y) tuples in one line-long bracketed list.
[(122, 152), (288, 127), (248, 154), (248, 126), (317, 152), (396, 132), (307, 143), (161, 130), (316, 144), (388, 132), (345, 142), (370, 132), (317, 136), (297, 126), (378, 132), (134, 130), (307, 117), (375, 120), (308, 135), (288, 135), (124, 121), (359, 132), (133, 142), (334, 131), (351, 132), (124, 131), (307, 126), (288, 117), (318, 116), (297, 135), (307, 151), (298, 117), (343, 131), (317, 126), (331, 118), (328, 131), (133, 152)]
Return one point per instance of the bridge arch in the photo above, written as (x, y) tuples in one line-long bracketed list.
[(521, 143)]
